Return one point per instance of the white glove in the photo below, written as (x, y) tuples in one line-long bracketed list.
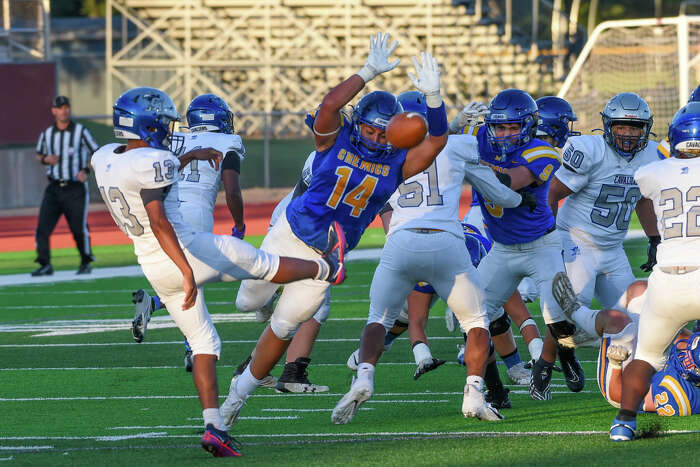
[(427, 79), (469, 115), (378, 58)]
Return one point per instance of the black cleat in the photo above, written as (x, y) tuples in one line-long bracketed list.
[(427, 365), (571, 367), (498, 399), (84, 268), (539, 383), (43, 270), (296, 379)]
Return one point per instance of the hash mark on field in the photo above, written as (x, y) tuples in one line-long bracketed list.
[(306, 410)]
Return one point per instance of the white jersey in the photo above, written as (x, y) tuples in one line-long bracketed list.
[(604, 191), (672, 185), (120, 178), (430, 199), (199, 181)]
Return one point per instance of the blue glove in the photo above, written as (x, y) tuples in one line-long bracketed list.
[(238, 233)]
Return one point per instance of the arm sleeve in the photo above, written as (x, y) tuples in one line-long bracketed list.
[(41, 144), (156, 169), (487, 184), (232, 161), (542, 161), (576, 167), (89, 141)]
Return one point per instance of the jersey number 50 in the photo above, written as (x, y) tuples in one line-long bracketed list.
[(607, 210)]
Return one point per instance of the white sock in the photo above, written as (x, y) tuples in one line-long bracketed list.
[(246, 383), (366, 371), (476, 382), (535, 348), (421, 352), (213, 416), (584, 318)]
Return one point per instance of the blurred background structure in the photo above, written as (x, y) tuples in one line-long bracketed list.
[(273, 60)]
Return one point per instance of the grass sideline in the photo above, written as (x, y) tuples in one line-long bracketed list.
[(71, 397)]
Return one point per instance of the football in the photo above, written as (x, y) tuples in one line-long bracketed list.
[(406, 130)]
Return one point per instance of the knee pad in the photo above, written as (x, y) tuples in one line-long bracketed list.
[(247, 304), (563, 332), (282, 328), (500, 325)]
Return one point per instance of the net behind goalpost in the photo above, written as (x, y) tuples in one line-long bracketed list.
[(659, 59)]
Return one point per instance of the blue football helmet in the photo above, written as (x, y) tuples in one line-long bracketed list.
[(511, 106), (209, 112), (695, 95), (689, 359), (145, 113), (413, 101), (374, 109), (627, 108), (684, 131), (556, 119)]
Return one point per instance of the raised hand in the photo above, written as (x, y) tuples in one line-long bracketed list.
[(378, 58), (427, 77)]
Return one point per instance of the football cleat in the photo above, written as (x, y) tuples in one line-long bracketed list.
[(429, 364), (518, 374), (460, 354), (295, 378), (475, 406), (232, 405), (571, 367), (189, 359), (564, 294), (498, 399), (334, 255), (142, 314), (617, 354), (354, 360), (451, 322), (346, 408), (623, 431), (539, 383), (263, 314), (219, 443)]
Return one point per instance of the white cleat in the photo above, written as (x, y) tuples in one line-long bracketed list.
[(451, 322), (520, 375), (617, 354), (354, 360), (232, 405), (268, 381), (346, 408), (143, 308), (474, 405), (564, 294), (263, 314)]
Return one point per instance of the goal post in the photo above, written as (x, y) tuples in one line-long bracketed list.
[(657, 58)]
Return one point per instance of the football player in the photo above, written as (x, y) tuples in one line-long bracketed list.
[(663, 149), (424, 222), (596, 180), (210, 123), (525, 242), (355, 171), (672, 297), (139, 184)]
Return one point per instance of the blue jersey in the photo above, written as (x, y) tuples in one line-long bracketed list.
[(673, 393), (477, 246), (518, 225), (345, 188)]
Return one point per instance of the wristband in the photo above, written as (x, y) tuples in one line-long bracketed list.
[(238, 233), (437, 120)]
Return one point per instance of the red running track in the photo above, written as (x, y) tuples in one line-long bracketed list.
[(17, 233)]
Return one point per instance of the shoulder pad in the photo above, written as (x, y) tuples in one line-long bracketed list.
[(154, 168), (538, 149), (580, 153)]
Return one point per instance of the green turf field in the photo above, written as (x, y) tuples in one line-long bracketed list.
[(76, 390)]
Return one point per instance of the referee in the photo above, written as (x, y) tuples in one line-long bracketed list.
[(65, 149)]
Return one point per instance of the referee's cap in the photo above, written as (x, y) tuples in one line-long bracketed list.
[(61, 101)]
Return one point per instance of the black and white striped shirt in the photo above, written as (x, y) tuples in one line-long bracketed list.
[(73, 146)]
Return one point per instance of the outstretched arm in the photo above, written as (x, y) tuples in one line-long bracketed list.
[(427, 80), (327, 121)]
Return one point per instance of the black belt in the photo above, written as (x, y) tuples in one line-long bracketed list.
[(60, 182)]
